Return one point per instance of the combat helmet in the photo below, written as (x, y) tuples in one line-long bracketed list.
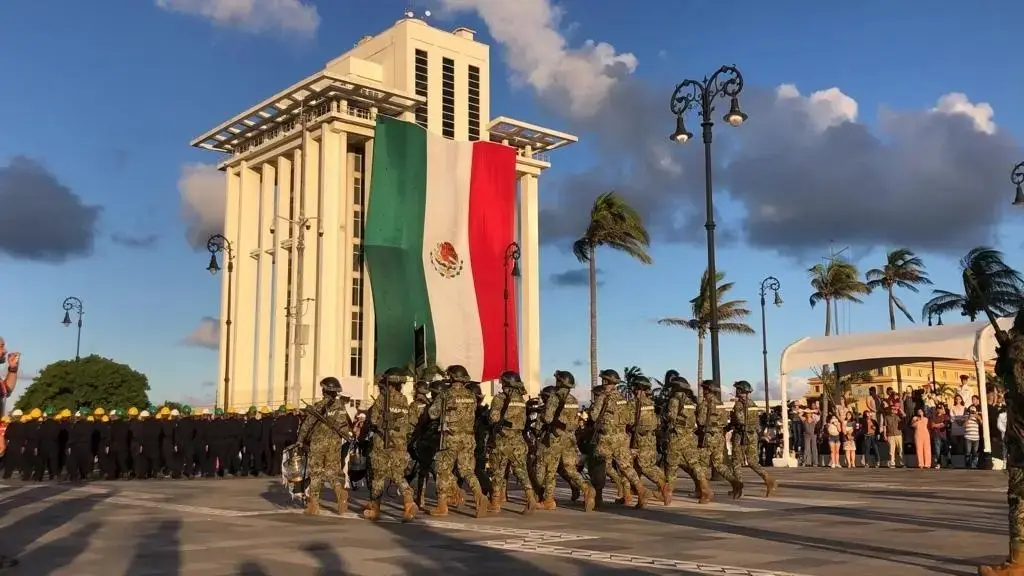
[(511, 379), (330, 386), (678, 383), (564, 379), (640, 383), (743, 387), (609, 376), (393, 377), (458, 373), (547, 391)]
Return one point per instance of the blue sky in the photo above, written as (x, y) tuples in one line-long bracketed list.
[(107, 95)]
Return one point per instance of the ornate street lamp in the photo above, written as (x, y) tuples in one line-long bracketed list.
[(512, 254), (1017, 178), (769, 284), (72, 304), (215, 245), (726, 82)]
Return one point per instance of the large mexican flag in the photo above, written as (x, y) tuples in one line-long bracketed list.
[(441, 216)]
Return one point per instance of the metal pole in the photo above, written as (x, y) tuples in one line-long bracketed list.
[(506, 279), (227, 335), (709, 225), (300, 250), (78, 341), (764, 352)]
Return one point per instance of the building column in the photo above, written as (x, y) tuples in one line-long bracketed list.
[(246, 276), (369, 316), (279, 304), (294, 391), (342, 326), (265, 357), (529, 284), (331, 242), (228, 282), (306, 312)]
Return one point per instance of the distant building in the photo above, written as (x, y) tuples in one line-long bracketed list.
[(950, 377)]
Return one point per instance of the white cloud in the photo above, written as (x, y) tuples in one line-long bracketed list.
[(980, 114), (539, 53), (203, 200), (205, 335), (292, 16)]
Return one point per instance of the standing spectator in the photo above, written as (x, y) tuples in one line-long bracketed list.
[(939, 422), (922, 439), (871, 437), (834, 429), (850, 440), (893, 420), (972, 437), (957, 414), (9, 363), (809, 426)]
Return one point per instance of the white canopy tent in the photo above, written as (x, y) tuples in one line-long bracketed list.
[(851, 353)]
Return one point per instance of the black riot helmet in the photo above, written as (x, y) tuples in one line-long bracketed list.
[(330, 386), (458, 373), (510, 379), (669, 376), (564, 379), (393, 377), (678, 383), (609, 376)]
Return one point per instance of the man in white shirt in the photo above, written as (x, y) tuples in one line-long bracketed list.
[(9, 364)]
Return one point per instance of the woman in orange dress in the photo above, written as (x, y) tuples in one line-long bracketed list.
[(922, 439)]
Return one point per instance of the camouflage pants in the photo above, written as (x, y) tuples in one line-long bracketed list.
[(459, 454), (509, 451), (683, 452), (745, 449), (712, 458), (614, 449), (387, 464), (562, 457), (1014, 495), (647, 458), (325, 465)]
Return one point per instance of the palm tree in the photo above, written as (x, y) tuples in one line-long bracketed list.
[(902, 269), (987, 280), (838, 280), (615, 224), (629, 374), (731, 314)]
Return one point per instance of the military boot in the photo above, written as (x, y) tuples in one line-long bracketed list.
[(342, 495), (589, 499), (548, 503), (531, 502), (408, 505), (575, 494), (312, 507), (641, 498), (372, 511), (666, 492), (442, 506), (626, 499), (770, 486), (737, 489), (459, 498), (1014, 566), (704, 492), (496, 503), (504, 495), (481, 504)]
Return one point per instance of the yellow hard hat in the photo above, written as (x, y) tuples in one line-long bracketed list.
[(105, 418), (58, 416), (159, 415), (25, 418), (36, 413), (265, 410), (133, 411), (65, 413), (89, 419), (165, 410), (5, 419), (98, 412)]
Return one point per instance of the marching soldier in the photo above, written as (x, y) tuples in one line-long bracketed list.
[(190, 451), (14, 453), (710, 435), (138, 458), (644, 440), (119, 455), (389, 421), (284, 431), (455, 410), (744, 439), (682, 450), (326, 428), (507, 417), (422, 441), (80, 457), (561, 419), (612, 445)]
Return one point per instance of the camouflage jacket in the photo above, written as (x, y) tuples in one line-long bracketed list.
[(508, 415), (741, 420), (646, 421), (317, 434), (1010, 368), (609, 413), (395, 422), (709, 417), (680, 417), (561, 414), (460, 409)]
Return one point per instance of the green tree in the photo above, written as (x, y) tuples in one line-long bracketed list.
[(903, 269), (171, 405), (987, 279), (617, 225), (830, 393), (629, 374), (731, 315), (93, 382), (838, 280)]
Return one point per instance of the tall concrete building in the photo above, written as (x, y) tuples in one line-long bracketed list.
[(294, 303)]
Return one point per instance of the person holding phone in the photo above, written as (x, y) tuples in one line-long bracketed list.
[(9, 364)]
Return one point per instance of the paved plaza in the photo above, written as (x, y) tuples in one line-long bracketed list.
[(822, 522)]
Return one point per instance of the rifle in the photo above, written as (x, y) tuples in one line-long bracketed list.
[(442, 425), (387, 416), (597, 423), (307, 408), (502, 422), (636, 422), (702, 428)]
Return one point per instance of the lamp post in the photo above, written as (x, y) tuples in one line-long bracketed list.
[(512, 254), (770, 283), (72, 304), (727, 82), (939, 315), (217, 244), (1017, 179)]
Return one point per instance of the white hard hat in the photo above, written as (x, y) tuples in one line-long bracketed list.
[(174, 412), (144, 414), (78, 413), (17, 412)]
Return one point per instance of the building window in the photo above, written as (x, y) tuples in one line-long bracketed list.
[(355, 361), (357, 258), (421, 72), (357, 224), (357, 291), (357, 189), (474, 103), (878, 371), (448, 98), (357, 326)]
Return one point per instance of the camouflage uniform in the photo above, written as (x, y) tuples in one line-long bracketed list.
[(422, 441), (612, 447), (744, 439), (1010, 368), (389, 418), (325, 440), (459, 419), (682, 450), (561, 418), (507, 417), (710, 426), (599, 469), (643, 425)]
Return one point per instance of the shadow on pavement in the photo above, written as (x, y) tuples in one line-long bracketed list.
[(55, 554), (159, 548)]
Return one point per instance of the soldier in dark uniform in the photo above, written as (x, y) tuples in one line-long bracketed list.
[(184, 438), (169, 442), (234, 432), (120, 446), (14, 437), (135, 432), (266, 442), (48, 462), (214, 433), (252, 444), (284, 431), (103, 436), (80, 454), (30, 456), (152, 432)]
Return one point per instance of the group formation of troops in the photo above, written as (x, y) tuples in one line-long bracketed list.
[(151, 443), (448, 432)]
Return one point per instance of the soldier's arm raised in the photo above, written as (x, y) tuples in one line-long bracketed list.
[(307, 426), (497, 403), (550, 409), (597, 405)]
